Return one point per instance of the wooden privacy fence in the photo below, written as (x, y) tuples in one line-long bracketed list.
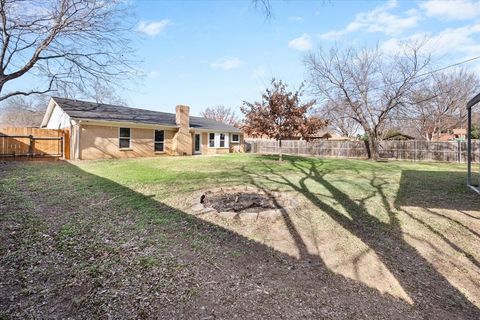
[(413, 150), (33, 143)]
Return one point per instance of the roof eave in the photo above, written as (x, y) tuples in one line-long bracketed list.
[(124, 123), (215, 130)]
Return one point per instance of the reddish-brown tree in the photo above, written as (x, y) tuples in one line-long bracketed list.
[(280, 114)]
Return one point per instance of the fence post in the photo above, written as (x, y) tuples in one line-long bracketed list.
[(30, 146), (459, 151), (61, 147)]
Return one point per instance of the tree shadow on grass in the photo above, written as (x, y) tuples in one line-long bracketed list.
[(430, 291), (436, 189), (134, 252)]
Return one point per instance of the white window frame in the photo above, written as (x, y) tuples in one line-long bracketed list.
[(235, 141), (220, 140), (125, 138), (216, 143), (210, 140), (155, 141)]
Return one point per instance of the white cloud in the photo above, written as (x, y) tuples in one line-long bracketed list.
[(464, 41), (301, 43), (378, 20), (452, 10), (227, 63), (152, 28)]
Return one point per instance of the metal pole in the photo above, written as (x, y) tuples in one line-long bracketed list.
[(469, 147)]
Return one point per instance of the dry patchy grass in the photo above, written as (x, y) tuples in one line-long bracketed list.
[(116, 239)]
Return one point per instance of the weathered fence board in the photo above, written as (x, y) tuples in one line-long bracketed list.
[(31, 143), (413, 150)]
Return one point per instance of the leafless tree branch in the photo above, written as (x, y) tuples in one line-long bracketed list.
[(67, 42), (366, 84)]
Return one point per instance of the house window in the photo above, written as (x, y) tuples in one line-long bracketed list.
[(124, 138), (235, 138), (218, 140), (222, 140), (211, 140), (159, 141)]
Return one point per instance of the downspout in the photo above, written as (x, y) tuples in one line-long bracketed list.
[(78, 139), (72, 142)]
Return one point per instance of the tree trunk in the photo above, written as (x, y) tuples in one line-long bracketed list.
[(280, 157), (373, 146)]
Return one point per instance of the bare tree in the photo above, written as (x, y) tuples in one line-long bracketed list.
[(338, 119), (63, 44), (221, 114), (280, 114), (369, 84), (106, 94), (22, 111), (438, 105), (264, 6)]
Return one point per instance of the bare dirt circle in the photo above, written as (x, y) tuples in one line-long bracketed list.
[(243, 202)]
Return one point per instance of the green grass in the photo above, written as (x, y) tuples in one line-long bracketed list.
[(172, 175), (121, 226)]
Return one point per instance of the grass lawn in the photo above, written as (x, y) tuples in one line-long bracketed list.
[(119, 239)]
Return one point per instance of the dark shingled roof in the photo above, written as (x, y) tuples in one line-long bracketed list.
[(77, 109)]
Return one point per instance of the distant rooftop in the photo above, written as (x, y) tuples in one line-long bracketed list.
[(78, 109)]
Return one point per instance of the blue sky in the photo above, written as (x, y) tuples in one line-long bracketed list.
[(204, 53)]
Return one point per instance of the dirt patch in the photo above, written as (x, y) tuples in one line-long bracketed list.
[(238, 201), (243, 203)]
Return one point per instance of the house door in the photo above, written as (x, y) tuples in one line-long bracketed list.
[(198, 144)]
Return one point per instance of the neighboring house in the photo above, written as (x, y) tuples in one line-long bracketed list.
[(460, 133), (327, 135), (451, 135), (99, 131), (395, 135)]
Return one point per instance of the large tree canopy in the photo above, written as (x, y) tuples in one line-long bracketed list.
[(62, 44)]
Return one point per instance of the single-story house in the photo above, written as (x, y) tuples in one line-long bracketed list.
[(395, 135), (100, 131), (327, 135), (450, 135)]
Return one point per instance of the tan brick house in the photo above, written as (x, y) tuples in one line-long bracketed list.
[(100, 131)]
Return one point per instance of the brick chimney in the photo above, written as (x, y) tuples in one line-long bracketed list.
[(182, 141)]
